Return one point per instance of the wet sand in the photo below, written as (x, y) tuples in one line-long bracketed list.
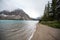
[(44, 32)]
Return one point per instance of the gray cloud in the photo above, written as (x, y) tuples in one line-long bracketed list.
[(34, 8)]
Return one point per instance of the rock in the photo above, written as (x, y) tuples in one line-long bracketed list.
[(15, 14)]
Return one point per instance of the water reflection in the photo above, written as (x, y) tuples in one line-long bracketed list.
[(17, 29)]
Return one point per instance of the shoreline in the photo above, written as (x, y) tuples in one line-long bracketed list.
[(44, 32), (32, 34)]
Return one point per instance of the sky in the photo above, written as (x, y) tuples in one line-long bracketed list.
[(34, 8)]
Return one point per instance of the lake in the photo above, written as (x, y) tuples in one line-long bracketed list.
[(17, 29)]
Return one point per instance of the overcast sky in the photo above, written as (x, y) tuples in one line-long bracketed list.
[(34, 8)]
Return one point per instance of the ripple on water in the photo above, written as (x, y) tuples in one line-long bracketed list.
[(17, 29)]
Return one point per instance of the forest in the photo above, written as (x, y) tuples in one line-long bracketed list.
[(51, 15)]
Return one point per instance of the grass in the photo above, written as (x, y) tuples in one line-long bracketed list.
[(54, 24)]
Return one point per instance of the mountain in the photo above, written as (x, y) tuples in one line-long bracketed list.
[(15, 14), (5, 12), (38, 18)]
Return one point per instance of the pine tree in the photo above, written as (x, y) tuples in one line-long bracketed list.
[(53, 8)]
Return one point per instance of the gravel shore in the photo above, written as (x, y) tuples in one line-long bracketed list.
[(44, 32)]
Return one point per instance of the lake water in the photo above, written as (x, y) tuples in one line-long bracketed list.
[(17, 29)]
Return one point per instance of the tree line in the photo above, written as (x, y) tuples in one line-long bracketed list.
[(51, 11)]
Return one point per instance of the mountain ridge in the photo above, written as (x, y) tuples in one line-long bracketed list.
[(15, 14)]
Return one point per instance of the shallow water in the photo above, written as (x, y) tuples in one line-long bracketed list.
[(17, 29)]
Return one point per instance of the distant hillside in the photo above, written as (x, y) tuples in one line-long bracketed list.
[(15, 14)]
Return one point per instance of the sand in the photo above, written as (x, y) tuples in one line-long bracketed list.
[(44, 32)]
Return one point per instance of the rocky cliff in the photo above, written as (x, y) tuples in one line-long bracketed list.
[(15, 14)]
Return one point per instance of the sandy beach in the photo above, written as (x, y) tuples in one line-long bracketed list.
[(44, 32)]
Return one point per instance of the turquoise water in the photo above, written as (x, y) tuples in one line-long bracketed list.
[(17, 29), (16, 21)]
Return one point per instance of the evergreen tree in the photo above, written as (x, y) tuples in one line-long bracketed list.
[(53, 8)]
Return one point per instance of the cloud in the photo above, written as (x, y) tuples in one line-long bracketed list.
[(34, 8)]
